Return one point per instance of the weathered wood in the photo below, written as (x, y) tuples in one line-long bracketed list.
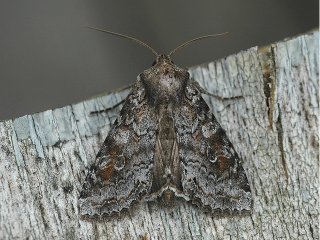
[(44, 157)]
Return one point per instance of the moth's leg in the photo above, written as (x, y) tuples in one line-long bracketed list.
[(110, 108), (203, 91), (114, 106), (219, 97)]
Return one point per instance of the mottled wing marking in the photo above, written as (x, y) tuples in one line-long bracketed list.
[(212, 174), (122, 172)]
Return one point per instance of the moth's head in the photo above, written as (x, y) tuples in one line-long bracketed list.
[(164, 67), (163, 59)]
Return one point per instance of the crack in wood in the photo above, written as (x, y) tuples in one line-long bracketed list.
[(281, 145), (268, 65)]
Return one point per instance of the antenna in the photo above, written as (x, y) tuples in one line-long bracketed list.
[(193, 40), (127, 37)]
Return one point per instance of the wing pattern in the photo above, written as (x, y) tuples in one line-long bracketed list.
[(122, 172)]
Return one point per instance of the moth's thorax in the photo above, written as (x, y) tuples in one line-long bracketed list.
[(164, 81)]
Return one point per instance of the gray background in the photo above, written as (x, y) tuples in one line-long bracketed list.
[(48, 58)]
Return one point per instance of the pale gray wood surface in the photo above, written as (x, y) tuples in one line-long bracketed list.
[(44, 157)]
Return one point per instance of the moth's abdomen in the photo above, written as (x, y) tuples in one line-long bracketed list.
[(166, 169)]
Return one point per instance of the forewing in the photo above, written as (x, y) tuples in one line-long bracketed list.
[(212, 174), (121, 173)]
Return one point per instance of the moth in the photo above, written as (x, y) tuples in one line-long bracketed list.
[(165, 144)]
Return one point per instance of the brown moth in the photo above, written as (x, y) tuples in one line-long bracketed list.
[(165, 144)]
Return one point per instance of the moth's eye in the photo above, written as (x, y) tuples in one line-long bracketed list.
[(154, 63)]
